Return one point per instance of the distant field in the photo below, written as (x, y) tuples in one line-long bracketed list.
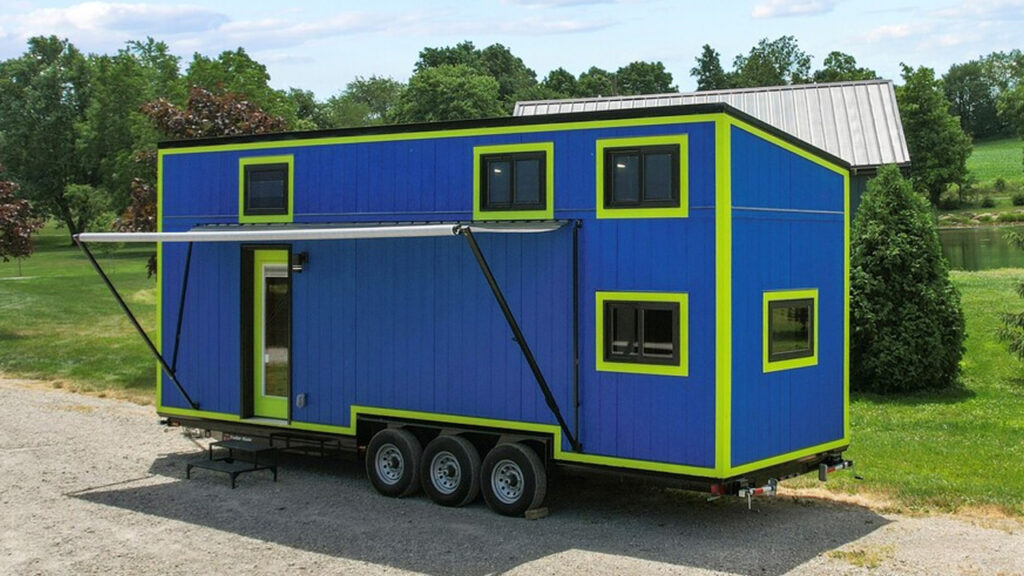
[(992, 159)]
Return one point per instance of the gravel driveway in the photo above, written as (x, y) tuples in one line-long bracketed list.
[(95, 486)]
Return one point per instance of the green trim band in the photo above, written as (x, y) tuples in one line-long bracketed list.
[(681, 211), (769, 365), (288, 159), (680, 298)]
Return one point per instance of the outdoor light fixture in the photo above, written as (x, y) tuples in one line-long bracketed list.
[(299, 259)]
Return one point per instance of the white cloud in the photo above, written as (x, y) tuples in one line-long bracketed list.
[(1002, 10), (889, 32), (559, 3), (784, 8), (105, 17)]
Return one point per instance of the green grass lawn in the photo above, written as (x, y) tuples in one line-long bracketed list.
[(991, 159), (958, 449), (948, 451), (59, 323)]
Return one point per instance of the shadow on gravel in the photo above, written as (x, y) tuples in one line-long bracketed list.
[(328, 507)]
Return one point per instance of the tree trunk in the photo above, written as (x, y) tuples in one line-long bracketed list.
[(66, 217)]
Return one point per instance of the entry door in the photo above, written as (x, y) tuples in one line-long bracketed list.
[(272, 329)]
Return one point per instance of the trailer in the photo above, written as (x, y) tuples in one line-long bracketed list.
[(471, 305)]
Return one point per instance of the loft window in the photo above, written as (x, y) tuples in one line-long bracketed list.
[(790, 329), (642, 177), (513, 181), (643, 332), (266, 189)]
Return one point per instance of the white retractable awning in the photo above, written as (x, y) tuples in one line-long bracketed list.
[(289, 234)]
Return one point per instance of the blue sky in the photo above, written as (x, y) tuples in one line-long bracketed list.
[(322, 45)]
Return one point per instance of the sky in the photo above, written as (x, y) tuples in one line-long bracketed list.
[(322, 45)]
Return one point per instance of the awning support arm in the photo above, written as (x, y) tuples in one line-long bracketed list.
[(518, 335), (181, 308), (138, 327)]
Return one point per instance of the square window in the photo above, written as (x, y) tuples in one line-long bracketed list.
[(643, 177), (265, 189), (790, 331), (513, 182), (642, 333)]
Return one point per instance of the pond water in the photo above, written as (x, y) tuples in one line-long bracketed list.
[(980, 248)]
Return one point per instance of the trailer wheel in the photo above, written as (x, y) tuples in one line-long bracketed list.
[(392, 462), (513, 479), (450, 471)]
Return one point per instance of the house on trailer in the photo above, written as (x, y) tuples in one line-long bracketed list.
[(659, 291), (858, 122)]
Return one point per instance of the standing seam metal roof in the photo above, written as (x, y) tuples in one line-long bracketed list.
[(856, 121)]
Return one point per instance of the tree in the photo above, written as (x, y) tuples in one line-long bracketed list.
[(1012, 330), (841, 67), (114, 130), (938, 146), (644, 78), (43, 96), (17, 224), (343, 111), (596, 82), (449, 93), (235, 72), (708, 71), (772, 63), (380, 95), (907, 325), (561, 83), (972, 98), (497, 61)]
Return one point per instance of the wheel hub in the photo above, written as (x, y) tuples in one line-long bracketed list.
[(507, 481), (445, 472), (390, 464)]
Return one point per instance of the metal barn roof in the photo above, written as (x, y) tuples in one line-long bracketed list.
[(856, 121)]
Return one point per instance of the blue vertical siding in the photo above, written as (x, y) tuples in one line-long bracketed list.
[(796, 243), (411, 324)]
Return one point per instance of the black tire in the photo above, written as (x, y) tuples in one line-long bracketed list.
[(513, 479), (393, 462), (450, 471)]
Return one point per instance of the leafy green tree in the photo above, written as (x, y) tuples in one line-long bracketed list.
[(1012, 330), (842, 67), (772, 63), (972, 96), (343, 111), (235, 72), (17, 224), (1011, 107), (114, 131), (907, 325), (464, 53), (308, 112), (561, 83), (709, 72), (379, 94), (644, 78), (497, 61), (938, 146), (449, 93), (596, 82), (43, 96)]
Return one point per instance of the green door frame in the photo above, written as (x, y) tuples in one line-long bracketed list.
[(267, 264)]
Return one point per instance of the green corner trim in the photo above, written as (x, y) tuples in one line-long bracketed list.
[(288, 159), (681, 211), (769, 365), (548, 213), (681, 369), (723, 295)]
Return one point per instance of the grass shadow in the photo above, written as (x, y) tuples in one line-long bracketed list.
[(952, 395), (327, 506)]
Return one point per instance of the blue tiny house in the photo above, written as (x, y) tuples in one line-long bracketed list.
[(660, 291)]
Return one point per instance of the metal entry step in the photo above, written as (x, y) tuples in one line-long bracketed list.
[(234, 457)]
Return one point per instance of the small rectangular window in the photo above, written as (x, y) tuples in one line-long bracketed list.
[(513, 182), (266, 189), (641, 332), (642, 177), (790, 329)]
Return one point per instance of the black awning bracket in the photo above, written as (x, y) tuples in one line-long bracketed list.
[(135, 322), (518, 336)]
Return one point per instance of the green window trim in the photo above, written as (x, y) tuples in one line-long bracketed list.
[(605, 146), (798, 297), (680, 364), (545, 148), (243, 163)]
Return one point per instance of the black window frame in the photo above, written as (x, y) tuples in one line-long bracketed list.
[(249, 169), (639, 306), (511, 158), (809, 352), (642, 151)]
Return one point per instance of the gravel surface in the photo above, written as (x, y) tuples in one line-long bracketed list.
[(96, 486)]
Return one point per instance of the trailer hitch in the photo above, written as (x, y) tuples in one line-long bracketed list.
[(770, 489)]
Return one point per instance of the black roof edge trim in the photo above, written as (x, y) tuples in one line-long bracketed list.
[(507, 121)]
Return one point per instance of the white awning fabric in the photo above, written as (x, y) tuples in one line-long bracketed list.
[(282, 234)]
